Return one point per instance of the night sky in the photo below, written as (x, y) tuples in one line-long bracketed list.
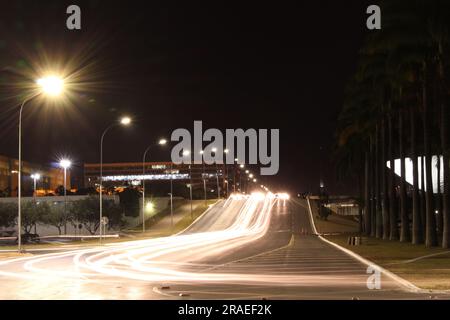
[(275, 65)]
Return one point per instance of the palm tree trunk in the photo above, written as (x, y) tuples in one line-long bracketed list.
[(438, 208), (393, 235), (360, 202), (404, 231), (430, 235), (373, 207), (367, 218), (417, 236), (384, 204), (378, 220), (423, 210), (446, 169)]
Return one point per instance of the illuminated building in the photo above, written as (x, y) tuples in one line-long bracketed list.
[(50, 177), (158, 174)]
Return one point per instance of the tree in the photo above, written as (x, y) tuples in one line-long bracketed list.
[(32, 213), (130, 202), (86, 212), (57, 217), (8, 214)]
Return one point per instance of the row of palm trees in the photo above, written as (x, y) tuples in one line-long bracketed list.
[(397, 107)]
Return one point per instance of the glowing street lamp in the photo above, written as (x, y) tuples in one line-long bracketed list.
[(51, 86), (35, 177), (161, 142), (124, 121)]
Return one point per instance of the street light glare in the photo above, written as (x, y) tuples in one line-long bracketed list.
[(125, 121), (186, 153), (36, 176), (51, 85), (162, 142), (64, 163)]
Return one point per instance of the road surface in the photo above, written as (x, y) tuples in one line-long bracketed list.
[(243, 248)]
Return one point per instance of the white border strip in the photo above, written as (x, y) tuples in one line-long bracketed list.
[(405, 283)]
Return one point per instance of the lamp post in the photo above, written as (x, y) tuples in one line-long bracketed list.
[(226, 151), (161, 142), (204, 178), (124, 121), (171, 196), (242, 166), (64, 163), (51, 86), (187, 153)]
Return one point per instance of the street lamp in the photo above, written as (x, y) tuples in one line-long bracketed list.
[(203, 177), (50, 86), (124, 121), (187, 153), (35, 177), (161, 142), (65, 163), (226, 151)]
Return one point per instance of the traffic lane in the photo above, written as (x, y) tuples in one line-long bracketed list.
[(278, 235), (307, 269), (56, 276)]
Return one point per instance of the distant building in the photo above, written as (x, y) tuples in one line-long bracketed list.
[(159, 174), (50, 178)]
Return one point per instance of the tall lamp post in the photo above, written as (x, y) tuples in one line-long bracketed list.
[(203, 176), (226, 151), (161, 142), (124, 121), (187, 153), (50, 86), (64, 163)]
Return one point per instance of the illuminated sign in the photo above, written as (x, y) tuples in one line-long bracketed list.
[(147, 177)]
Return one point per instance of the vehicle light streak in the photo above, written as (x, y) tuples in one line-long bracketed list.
[(183, 258)]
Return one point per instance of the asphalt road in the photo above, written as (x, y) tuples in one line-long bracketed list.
[(242, 248)]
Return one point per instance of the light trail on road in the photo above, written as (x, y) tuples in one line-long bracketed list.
[(171, 259)]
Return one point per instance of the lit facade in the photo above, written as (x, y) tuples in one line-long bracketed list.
[(50, 178), (119, 174)]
